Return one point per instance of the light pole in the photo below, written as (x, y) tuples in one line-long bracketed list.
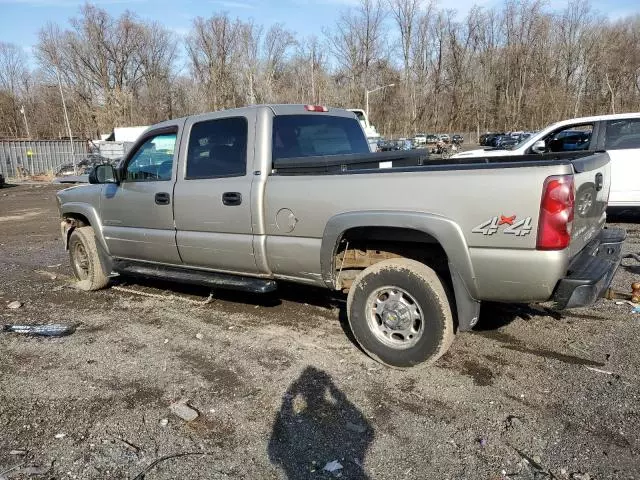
[(366, 95), (26, 125), (66, 117)]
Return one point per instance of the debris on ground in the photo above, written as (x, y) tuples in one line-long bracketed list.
[(598, 370), (333, 466), (48, 330), (184, 411), (60, 436), (18, 452), (15, 304), (164, 422), (35, 470), (142, 474), (199, 336), (513, 422), (580, 476), (49, 275)]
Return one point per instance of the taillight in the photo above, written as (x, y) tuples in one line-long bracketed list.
[(316, 108), (556, 213)]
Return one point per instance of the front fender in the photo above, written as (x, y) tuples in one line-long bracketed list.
[(91, 214)]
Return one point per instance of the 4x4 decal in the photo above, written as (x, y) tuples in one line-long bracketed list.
[(516, 227)]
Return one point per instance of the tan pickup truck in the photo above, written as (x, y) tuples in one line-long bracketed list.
[(260, 196)]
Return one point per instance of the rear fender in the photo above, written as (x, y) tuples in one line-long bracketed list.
[(445, 231)]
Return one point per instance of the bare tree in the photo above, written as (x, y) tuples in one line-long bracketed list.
[(13, 78)]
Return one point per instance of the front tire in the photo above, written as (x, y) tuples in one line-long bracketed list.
[(399, 313), (85, 261)]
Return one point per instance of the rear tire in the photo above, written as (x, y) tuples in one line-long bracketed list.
[(85, 261), (399, 313)]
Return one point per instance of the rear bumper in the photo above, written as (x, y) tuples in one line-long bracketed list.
[(591, 271)]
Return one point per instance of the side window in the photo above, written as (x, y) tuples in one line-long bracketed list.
[(153, 161), (570, 139), (622, 134), (218, 148)]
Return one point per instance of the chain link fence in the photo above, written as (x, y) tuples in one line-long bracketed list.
[(20, 158)]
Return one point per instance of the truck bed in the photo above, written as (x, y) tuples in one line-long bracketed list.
[(418, 160)]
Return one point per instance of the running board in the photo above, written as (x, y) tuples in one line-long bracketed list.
[(195, 277)]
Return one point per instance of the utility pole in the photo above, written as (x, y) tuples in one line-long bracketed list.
[(66, 118)]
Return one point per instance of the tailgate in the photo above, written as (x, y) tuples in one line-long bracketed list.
[(592, 182)]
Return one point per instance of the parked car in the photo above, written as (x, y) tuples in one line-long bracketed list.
[(618, 134), (487, 138), (504, 141), (248, 197), (432, 139), (389, 146), (420, 139), (457, 139), (444, 137)]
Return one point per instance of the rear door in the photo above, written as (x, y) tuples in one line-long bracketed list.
[(137, 214), (622, 142), (213, 194)]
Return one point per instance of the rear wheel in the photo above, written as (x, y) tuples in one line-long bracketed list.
[(399, 313), (85, 261)]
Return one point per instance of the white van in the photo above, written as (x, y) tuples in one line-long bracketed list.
[(618, 134)]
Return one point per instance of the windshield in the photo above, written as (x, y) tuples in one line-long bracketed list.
[(315, 135), (520, 143)]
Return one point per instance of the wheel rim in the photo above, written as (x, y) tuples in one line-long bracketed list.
[(394, 317), (81, 260)]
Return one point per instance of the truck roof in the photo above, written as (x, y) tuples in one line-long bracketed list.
[(596, 118), (276, 108)]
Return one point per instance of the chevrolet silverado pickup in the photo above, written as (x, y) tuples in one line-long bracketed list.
[(256, 197)]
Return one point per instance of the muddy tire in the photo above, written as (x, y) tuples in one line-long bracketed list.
[(85, 262), (400, 314)]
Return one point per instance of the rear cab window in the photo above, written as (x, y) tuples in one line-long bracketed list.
[(622, 134), (296, 136)]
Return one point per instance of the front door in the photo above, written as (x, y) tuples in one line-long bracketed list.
[(622, 143), (213, 196), (137, 214)]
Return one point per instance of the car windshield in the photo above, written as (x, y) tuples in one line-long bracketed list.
[(520, 143)]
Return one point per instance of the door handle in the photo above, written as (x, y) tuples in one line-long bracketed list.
[(163, 198), (232, 198)]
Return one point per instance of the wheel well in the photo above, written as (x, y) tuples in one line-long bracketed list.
[(361, 247), (77, 219)]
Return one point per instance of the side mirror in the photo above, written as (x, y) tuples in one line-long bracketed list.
[(539, 147), (103, 174)]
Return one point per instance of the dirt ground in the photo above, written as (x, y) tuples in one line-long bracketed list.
[(281, 390)]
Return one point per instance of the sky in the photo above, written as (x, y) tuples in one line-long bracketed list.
[(20, 20)]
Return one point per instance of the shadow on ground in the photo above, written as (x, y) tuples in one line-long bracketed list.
[(623, 215), (318, 425)]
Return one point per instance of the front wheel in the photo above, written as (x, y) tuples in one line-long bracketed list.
[(399, 313), (85, 261)]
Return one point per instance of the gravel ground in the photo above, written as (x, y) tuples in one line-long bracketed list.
[(281, 390)]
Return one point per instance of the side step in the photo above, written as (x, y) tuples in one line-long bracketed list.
[(195, 277)]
